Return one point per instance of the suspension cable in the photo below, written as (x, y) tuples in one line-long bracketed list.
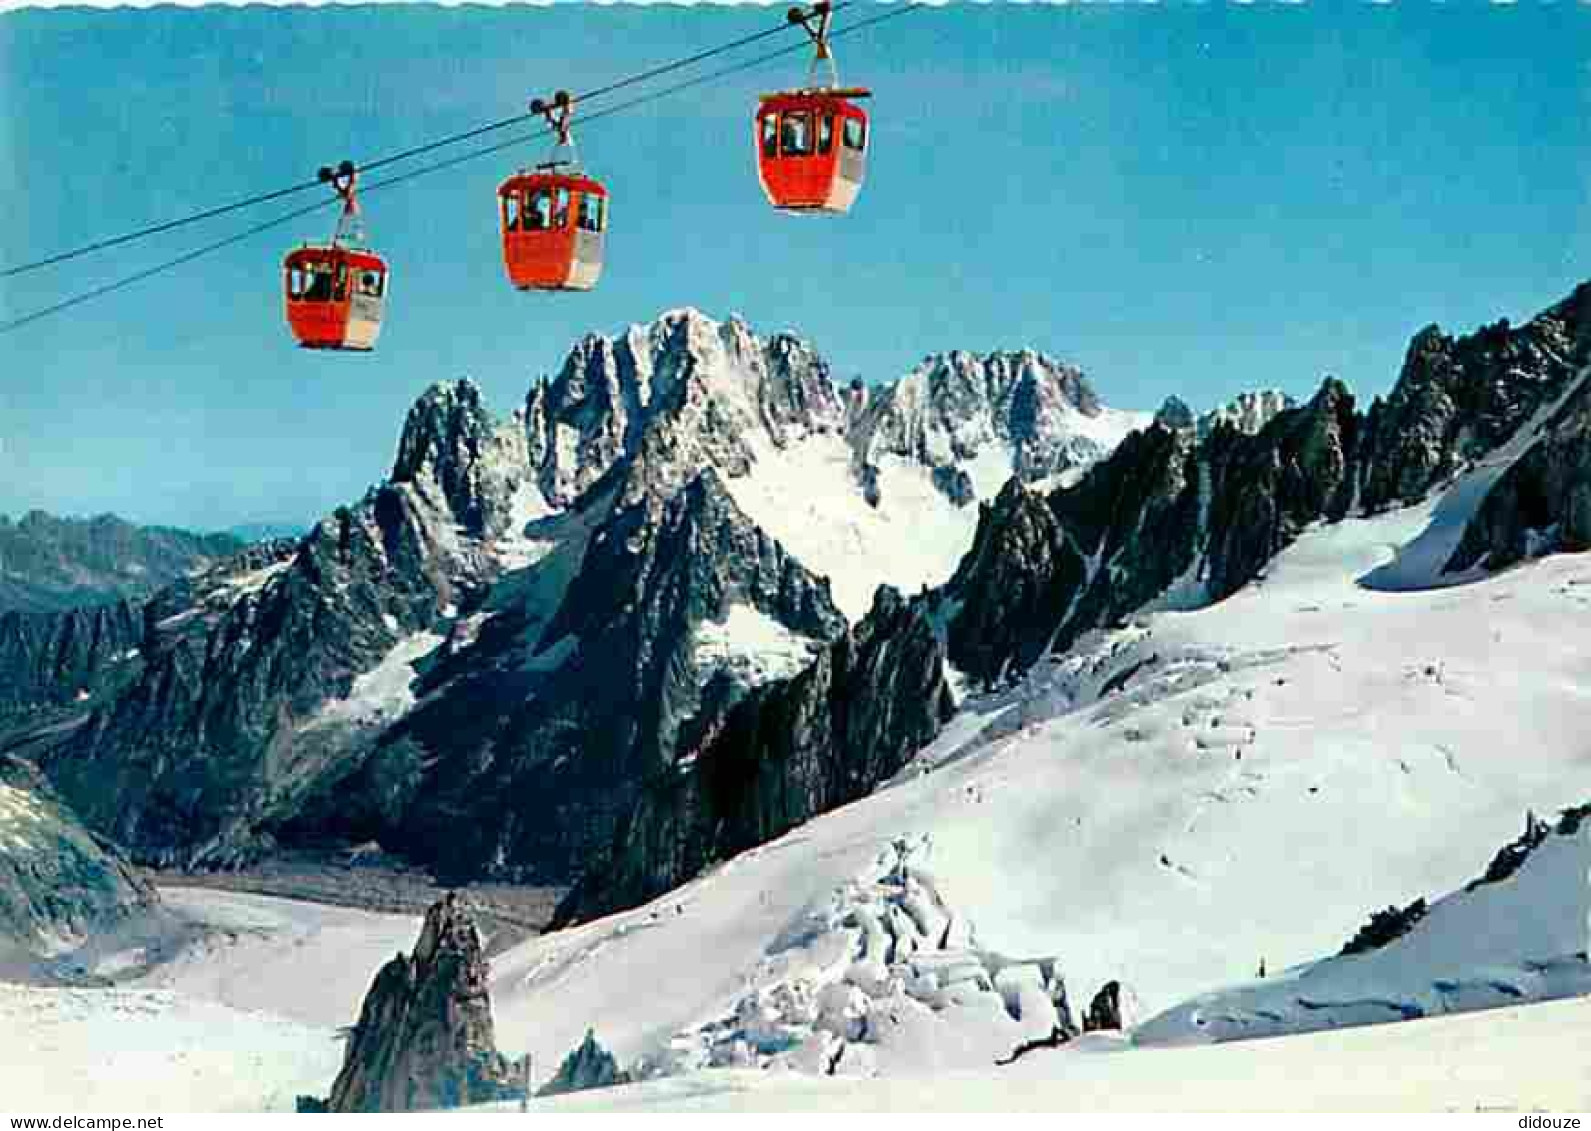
[(437, 166), (392, 158)]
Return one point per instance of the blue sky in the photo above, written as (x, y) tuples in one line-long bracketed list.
[(1190, 199)]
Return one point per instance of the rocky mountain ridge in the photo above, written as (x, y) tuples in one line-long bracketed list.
[(482, 662), (1176, 517), (755, 768)]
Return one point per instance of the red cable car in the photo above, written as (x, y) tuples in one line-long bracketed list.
[(554, 217), (336, 293), (812, 143)]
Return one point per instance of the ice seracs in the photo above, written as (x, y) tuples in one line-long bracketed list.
[(882, 976)]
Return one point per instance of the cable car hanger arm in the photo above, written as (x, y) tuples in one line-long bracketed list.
[(815, 22)]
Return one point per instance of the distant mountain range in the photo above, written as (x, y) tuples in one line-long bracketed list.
[(48, 564)]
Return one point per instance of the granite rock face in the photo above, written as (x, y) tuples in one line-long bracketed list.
[(424, 1040), (60, 659), (1457, 399), (559, 740), (1542, 501), (1023, 553), (953, 407), (456, 455), (786, 752), (1268, 486), (60, 886), (1045, 569)]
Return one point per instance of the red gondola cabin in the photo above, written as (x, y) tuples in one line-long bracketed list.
[(336, 292), (335, 296), (812, 149), (554, 225)]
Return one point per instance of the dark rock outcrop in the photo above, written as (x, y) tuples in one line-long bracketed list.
[(65, 658), (1020, 575), (1542, 502), (1043, 570), (1570, 819), (1104, 1012), (1511, 856), (787, 752), (588, 1066), (1270, 485), (1384, 926), (424, 1039), (1457, 399)]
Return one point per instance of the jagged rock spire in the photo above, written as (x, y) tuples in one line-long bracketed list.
[(424, 1039), (588, 1066)]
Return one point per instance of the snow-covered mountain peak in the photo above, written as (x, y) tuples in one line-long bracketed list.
[(875, 482), (1003, 413), (461, 459), (1000, 372), (1247, 412)]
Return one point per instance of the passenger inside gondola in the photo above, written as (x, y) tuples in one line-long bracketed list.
[(539, 216), (319, 289), (797, 138)]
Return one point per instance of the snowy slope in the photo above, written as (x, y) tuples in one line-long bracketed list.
[(806, 496), (1170, 833), (806, 491), (116, 1050), (144, 1051), (1519, 938), (752, 646), (1511, 1060), (1176, 833)]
